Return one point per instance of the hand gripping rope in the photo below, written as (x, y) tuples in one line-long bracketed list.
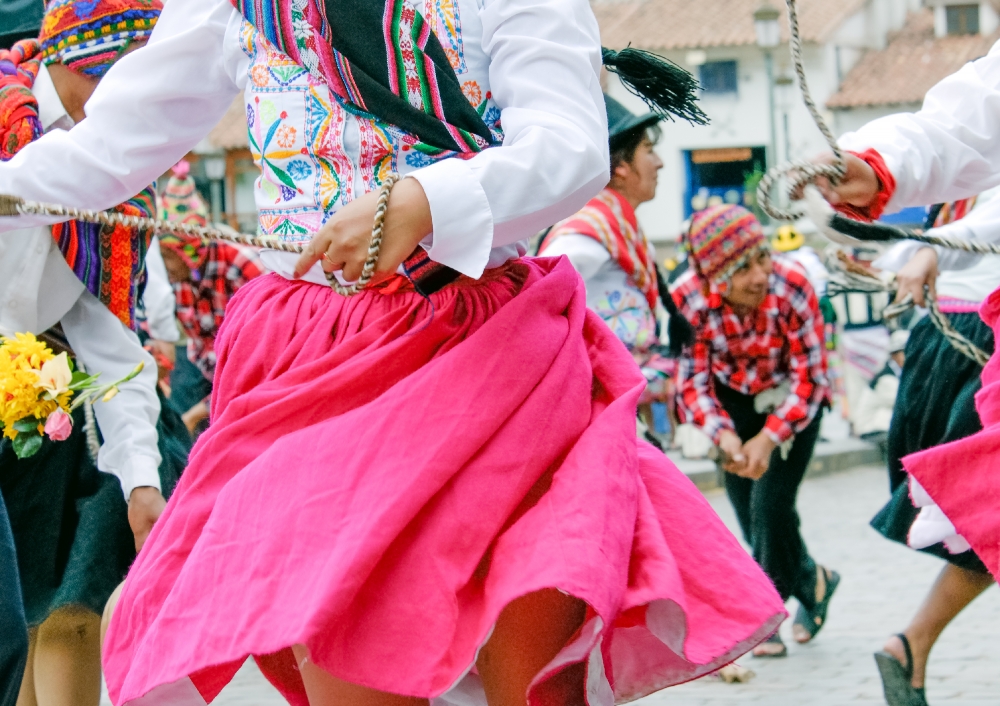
[(16, 206), (798, 174)]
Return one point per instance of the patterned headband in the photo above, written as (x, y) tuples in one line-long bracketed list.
[(88, 36)]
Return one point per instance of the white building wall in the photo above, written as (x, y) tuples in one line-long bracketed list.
[(743, 120)]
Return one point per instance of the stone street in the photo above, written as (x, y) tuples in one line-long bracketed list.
[(883, 583)]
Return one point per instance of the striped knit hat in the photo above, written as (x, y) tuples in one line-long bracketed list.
[(88, 36), (722, 239), (181, 203)]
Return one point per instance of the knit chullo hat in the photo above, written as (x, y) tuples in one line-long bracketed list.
[(181, 203), (722, 239), (88, 36)]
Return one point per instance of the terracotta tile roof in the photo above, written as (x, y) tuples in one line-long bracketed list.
[(697, 24), (909, 66), (231, 132)]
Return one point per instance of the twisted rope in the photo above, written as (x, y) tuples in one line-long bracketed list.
[(16, 206), (800, 172), (843, 280)]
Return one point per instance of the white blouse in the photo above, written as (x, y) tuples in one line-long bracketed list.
[(948, 150), (154, 105)]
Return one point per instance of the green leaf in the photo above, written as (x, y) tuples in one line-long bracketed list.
[(26, 425), (26, 445), (78, 383)]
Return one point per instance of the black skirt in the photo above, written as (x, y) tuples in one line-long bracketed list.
[(935, 405), (70, 521)]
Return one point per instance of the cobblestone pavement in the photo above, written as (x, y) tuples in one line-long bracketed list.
[(883, 584)]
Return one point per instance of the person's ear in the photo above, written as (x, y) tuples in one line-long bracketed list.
[(622, 171)]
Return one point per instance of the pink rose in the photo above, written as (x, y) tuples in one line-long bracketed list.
[(59, 425)]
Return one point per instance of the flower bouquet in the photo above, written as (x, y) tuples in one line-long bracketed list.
[(39, 390)]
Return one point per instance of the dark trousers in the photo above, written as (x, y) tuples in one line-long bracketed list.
[(765, 508), (13, 630)]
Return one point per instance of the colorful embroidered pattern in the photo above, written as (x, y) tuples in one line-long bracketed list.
[(610, 220), (19, 123), (420, 97), (110, 262), (628, 316), (722, 239), (447, 25), (337, 151), (88, 36)]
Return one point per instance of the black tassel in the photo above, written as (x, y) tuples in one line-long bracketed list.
[(870, 232), (679, 329), (666, 88)]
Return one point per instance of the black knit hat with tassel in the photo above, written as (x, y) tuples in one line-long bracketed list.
[(666, 88)]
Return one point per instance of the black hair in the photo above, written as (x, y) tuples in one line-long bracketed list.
[(624, 146), (679, 329)]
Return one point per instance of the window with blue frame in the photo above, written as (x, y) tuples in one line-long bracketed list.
[(718, 77)]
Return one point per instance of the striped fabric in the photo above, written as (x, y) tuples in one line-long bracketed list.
[(610, 220), (88, 36), (405, 80), (110, 262)]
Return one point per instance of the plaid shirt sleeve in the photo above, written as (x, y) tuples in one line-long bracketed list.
[(809, 387), (696, 401), (244, 265)]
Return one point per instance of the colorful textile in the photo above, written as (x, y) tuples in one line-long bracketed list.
[(88, 36), (377, 550), (971, 502), (19, 123), (201, 302), (610, 220), (406, 80), (722, 239), (181, 203), (782, 340), (110, 261), (296, 127)]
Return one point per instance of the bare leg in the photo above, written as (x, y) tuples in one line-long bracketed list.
[(954, 589), (528, 634), (26, 696), (323, 689), (67, 659)]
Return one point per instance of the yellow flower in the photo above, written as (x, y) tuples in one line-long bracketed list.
[(22, 358)]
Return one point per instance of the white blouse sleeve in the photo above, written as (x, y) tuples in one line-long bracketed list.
[(982, 224), (545, 62), (158, 299), (948, 150), (584, 253), (150, 109)]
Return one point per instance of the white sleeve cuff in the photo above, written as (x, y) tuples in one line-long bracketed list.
[(139, 471), (461, 214)]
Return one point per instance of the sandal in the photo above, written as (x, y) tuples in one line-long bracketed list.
[(897, 680), (775, 639), (812, 621)]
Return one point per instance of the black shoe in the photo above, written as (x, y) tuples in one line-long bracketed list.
[(897, 680)]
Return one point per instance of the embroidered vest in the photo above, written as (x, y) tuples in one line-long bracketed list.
[(316, 153)]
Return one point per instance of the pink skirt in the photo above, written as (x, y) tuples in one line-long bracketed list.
[(385, 473), (963, 477)]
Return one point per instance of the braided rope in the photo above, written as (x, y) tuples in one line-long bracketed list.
[(800, 172), (843, 280), (16, 206)]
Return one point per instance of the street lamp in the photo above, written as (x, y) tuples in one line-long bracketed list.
[(215, 170), (765, 24)]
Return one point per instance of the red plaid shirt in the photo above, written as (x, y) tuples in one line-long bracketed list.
[(782, 340), (201, 302)]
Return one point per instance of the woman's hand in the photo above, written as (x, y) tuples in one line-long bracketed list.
[(758, 453), (858, 188), (145, 505), (920, 271), (342, 244)]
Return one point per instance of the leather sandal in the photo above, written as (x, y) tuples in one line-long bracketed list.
[(897, 680), (812, 621)]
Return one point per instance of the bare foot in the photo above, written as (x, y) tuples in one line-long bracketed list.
[(772, 647)]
